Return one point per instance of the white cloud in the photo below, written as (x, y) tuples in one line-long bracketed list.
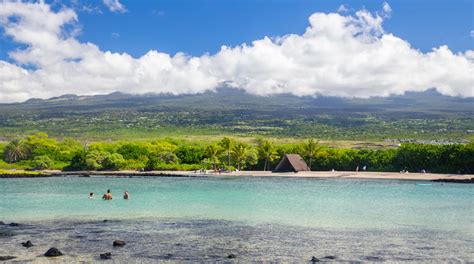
[(350, 56), (472, 33), (115, 6)]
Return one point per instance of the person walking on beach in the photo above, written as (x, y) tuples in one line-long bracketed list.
[(107, 195), (126, 195)]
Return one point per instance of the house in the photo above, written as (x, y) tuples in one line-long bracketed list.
[(291, 163)]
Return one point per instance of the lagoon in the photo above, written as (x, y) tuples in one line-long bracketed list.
[(211, 217)]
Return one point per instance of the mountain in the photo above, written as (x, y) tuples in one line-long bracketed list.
[(231, 111)]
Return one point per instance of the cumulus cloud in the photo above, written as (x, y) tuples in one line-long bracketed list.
[(342, 9), (115, 6), (337, 55)]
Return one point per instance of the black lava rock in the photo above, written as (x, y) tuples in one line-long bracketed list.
[(105, 221), (330, 257), (314, 259), (5, 258), (27, 244), (232, 256), (119, 243), (2, 223), (53, 252), (14, 224), (107, 255)]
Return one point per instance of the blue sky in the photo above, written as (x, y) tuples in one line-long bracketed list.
[(302, 47), (199, 26)]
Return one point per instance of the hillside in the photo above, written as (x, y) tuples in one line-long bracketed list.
[(415, 115)]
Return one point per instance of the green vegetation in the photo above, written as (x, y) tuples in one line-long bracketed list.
[(39, 152), (231, 112)]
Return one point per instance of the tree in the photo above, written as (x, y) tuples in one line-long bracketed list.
[(243, 154), (311, 149), (113, 161), (15, 151), (212, 153), (266, 151), (227, 144), (42, 163)]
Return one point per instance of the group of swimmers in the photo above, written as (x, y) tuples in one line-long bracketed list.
[(108, 195)]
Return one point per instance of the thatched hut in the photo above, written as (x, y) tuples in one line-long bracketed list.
[(291, 163)]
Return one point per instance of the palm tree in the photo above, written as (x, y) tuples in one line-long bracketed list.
[(240, 152), (266, 151), (15, 151), (212, 152), (227, 144), (311, 148)]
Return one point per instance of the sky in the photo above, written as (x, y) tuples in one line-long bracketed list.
[(302, 47)]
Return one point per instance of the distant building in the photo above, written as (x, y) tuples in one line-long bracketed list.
[(291, 163)]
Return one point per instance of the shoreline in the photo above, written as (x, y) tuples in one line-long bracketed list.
[(463, 178)]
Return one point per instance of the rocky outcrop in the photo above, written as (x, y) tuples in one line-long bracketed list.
[(53, 252), (14, 224), (5, 258), (106, 255), (314, 259), (27, 244), (471, 180), (119, 243), (231, 256)]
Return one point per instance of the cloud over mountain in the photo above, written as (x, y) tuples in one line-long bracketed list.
[(337, 55)]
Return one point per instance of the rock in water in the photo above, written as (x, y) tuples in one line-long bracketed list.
[(119, 243), (27, 244), (232, 256), (2, 223), (107, 255), (330, 257), (53, 252), (14, 224), (5, 258), (314, 259)]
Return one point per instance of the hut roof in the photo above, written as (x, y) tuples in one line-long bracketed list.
[(291, 163)]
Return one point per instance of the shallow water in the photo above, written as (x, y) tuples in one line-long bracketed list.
[(268, 219)]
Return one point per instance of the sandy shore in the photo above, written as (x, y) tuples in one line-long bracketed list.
[(305, 174)]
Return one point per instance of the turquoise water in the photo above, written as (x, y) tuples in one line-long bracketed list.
[(354, 204), (256, 219)]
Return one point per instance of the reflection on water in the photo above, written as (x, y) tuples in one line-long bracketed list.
[(213, 240)]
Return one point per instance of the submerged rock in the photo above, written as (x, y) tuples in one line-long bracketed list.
[(105, 221), (5, 258), (374, 258), (330, 257), (14, 224), (314, 259), (119, 243), (27, 244), (53, 252), (232, 256), (107, 255)]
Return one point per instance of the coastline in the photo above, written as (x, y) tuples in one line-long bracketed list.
[(467, 178)]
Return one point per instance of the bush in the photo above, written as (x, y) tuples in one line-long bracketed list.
[(42, 163)]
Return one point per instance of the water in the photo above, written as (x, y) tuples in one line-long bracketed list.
[(268, 219)]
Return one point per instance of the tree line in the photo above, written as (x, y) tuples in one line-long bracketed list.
[(39, 152)]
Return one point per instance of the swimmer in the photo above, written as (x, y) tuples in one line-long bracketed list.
[(91, 195), (107, 196), (125, 195)]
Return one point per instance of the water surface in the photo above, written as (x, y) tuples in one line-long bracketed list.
[(273, 219)]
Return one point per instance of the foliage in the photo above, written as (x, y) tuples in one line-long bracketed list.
[(42, 163), (39, 151), (15, 151)]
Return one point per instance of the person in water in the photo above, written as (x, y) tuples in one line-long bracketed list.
[(107, 195), (91, 195), (125, 195)]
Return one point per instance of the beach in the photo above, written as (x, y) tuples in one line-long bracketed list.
[(210, 173)]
